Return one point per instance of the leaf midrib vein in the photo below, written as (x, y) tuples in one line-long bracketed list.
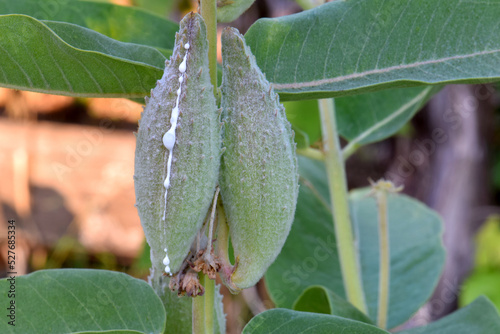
[(296, 85)]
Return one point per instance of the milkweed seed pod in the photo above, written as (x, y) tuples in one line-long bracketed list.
[(259, 172), (177, 156)]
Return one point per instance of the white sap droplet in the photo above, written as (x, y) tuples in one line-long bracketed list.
[(182, 66), (169, 139), (174, 116), (175, 112), (166, 262)]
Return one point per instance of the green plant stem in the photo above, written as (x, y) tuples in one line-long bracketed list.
[(384, 275), (339, 199), (203, 306), (199, 313), (311, 153), (208, 11), (209, 298)]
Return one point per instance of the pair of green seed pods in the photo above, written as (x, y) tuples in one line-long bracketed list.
[(179, 159)]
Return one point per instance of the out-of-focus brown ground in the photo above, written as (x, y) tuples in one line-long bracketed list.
[(58, 176)]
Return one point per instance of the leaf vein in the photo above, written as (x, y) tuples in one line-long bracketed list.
[(18, 65), (368, 36), (390, 33), (422, 43), (77, 299), (302, 49), (98, 288), (334, 36), (48, 304), (314, 83), (443, 27), (279, 53)]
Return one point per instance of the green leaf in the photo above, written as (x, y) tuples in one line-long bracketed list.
[(367, 118), (35, 58), (309, 256), (304, 117), (300, 137), (86, 39), (230, 10), (126, 24), (178, 310), (356, 46), (291, 322), (361, 119), (416, 251), (82, 300), (479, 317), (318, 299)]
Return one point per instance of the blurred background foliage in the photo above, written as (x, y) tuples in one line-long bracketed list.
[(485, 277)]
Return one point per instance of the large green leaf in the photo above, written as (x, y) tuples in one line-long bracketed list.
[(416, 251), (348, 47), (82, 300), (291, 322), (480, 317), (309, 256), (126, 24), (78, 62), (318, 299), (89, 40)]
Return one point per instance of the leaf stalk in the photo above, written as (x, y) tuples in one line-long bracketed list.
[(384, 274)]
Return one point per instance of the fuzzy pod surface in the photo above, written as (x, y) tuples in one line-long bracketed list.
[(174, 221), (259, 172)]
